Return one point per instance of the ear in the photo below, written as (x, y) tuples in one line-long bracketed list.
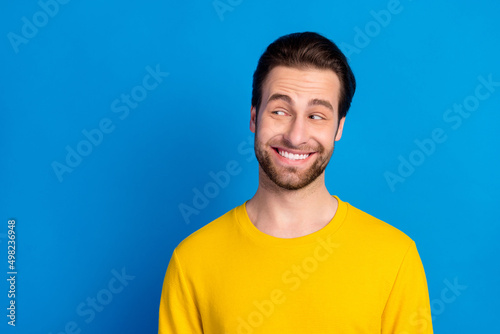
[(340, 129), (253, 119)]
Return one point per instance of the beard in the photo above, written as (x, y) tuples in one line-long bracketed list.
[(291, 178)]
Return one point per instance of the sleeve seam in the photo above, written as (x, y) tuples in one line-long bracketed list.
[(412, 244), (181, 276)]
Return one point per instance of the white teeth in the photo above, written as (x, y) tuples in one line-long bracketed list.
[(292, 156)]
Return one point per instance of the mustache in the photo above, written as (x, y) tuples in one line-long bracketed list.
[(306, 148)]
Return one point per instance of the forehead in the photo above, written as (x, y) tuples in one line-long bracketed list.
[(303, 82)]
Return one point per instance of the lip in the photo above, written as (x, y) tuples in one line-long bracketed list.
[(287, 161), (291, 151)]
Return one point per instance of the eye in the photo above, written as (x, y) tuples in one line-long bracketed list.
[(278, 112), (315, 117)]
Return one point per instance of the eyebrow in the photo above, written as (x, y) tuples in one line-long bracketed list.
[(288, 99), (319, 102), (277, 96)]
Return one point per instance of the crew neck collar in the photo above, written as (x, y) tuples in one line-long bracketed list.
[(266, 239)]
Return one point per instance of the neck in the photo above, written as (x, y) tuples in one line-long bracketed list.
[(291, 213)]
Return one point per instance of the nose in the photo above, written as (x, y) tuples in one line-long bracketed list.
[(297, 134)]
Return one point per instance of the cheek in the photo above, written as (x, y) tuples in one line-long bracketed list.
[(267, 129), (327, 140), (324, 133)]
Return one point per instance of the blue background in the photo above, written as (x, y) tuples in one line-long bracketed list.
[(118, 208)]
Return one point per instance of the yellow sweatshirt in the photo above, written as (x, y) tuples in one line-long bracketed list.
[(355, 275)]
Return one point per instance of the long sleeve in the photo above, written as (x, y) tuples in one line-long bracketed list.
[(407, 310), (178, 311)]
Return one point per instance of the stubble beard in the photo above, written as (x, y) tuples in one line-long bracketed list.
[(291, 178)]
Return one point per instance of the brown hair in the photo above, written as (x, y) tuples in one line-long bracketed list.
[(302, 50)]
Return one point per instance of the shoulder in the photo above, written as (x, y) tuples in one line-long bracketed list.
[(372, 231), (380, 246), (209, 237)]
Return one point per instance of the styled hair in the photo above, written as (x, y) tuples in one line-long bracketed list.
[(303, 50)]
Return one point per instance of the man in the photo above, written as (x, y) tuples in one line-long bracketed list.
[(295, 259)]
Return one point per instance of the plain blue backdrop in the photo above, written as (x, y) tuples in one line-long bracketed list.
[(114, 117)]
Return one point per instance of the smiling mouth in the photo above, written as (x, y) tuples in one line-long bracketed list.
[(292, 156)]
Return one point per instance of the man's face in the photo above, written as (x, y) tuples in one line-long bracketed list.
[(297, 125)]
